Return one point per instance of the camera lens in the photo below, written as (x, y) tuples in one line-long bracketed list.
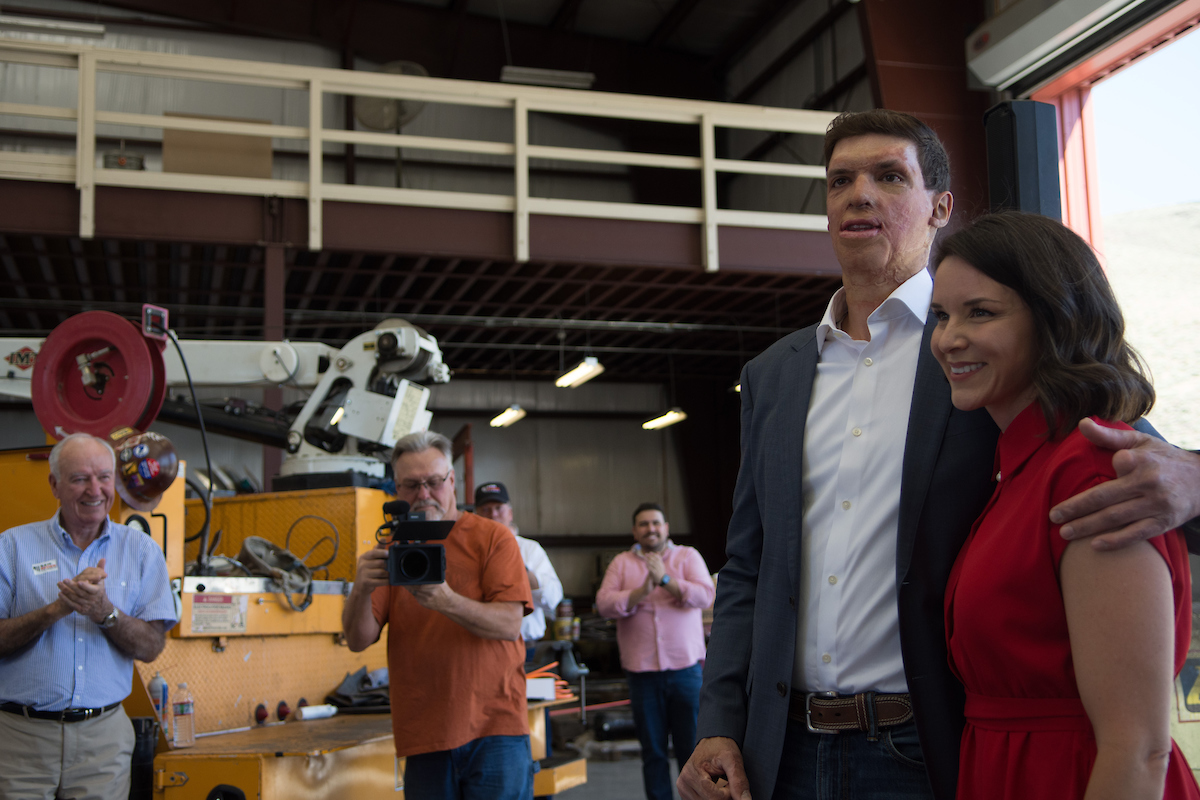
[(414, 565)]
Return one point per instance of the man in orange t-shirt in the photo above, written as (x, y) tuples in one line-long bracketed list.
[(455, 658)]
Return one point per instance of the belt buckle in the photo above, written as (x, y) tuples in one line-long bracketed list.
[(76, 714), (808, 711)]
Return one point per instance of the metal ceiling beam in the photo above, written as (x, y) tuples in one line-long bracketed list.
[(385, 266), (346, 275), (525, 287), (490, 292), (465, 285), (406, 284), (249, 283), (436, 284), (47, 268), (112, 252), (14, 278), (450, 43), (596, 348), (821, 101), (81, 268), (802, 43), (490, 323), (671, 21), (564, 17), (147, 273), (750, 34)]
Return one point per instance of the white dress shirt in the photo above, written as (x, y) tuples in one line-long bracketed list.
[(848, 637), (548, 594)]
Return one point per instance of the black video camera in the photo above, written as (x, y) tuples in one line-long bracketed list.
[(412, 562)]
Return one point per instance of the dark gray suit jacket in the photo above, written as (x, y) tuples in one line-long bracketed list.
[(946, 483)]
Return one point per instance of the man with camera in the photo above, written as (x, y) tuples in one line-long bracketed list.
[(454, 647)]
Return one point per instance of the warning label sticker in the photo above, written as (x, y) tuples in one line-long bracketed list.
[(219, 613)]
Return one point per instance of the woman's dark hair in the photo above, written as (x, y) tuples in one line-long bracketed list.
[(1084, 365)]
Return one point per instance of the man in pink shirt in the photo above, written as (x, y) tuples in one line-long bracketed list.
[(655, 591)]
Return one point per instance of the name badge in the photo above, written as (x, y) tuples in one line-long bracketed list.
[(44, 567)]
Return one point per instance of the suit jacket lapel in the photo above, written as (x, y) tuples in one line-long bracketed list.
[(796, 380), (927, 421)]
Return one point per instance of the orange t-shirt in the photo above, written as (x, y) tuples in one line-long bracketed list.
[(448, 686)]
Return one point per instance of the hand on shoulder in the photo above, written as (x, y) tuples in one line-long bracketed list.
[(1157, 489)]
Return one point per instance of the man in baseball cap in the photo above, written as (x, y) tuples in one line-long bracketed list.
[(491, 501)]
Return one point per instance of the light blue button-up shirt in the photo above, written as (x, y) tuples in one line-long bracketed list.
[(73, 664)]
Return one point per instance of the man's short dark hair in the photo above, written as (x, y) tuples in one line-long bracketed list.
[(931, 154), (648, 507)]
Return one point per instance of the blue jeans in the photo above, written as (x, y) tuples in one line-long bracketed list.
[(488, 768), (664, 702), (845, 766)]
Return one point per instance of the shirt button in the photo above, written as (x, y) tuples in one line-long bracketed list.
[(80, 667), (781, 687), (846, 504), (857, 431), (81, 638), (827, 658), (832, 580), (868, 361)]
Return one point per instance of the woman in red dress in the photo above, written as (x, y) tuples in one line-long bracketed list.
[(1068, 653)]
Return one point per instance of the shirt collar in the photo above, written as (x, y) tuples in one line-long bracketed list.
[(910, 298), (56, 526), (1023, 437), (637, 548)]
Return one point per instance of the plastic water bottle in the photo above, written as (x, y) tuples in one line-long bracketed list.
[(158, 694), (183, 726)]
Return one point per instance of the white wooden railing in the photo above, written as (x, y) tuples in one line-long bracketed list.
[(82, 168)]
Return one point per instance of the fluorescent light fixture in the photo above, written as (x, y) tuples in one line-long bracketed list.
[(53, 27), (508, 416), (337, 415), (583, 372), (534, 76), (670, 418)]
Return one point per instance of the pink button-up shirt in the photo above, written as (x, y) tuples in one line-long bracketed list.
[(660, 632)]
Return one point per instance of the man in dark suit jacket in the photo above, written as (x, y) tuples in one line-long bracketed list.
[(835, 585)]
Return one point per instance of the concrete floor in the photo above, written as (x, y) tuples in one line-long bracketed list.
[(612, 780)]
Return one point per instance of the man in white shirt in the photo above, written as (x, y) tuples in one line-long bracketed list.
[(491, 501), (826, 673)]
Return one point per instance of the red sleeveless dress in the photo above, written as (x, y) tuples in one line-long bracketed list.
[(1027, 735)]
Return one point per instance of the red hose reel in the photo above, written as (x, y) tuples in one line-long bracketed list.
[(96, 372)]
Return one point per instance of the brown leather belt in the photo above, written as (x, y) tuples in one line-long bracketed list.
[(827, 712)]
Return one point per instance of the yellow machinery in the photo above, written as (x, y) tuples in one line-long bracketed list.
[(239, 646), (245, 652)]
